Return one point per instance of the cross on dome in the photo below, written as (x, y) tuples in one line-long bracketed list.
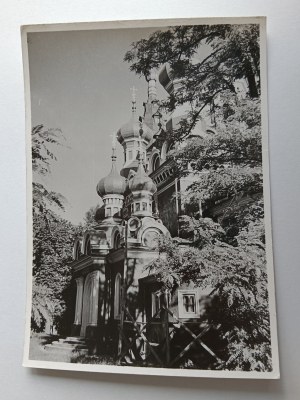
[(113, 140), (133, 91), (140, 150)]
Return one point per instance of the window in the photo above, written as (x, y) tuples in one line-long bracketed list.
[(158, 299), (117, 297), (144, 206), (137, 206), (187, 304), (155, 162), (77, 252), (117, 241), (108, 212), (130, 155), (88, 247), (116, 211)]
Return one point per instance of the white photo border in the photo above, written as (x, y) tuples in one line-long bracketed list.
[(153, 23)]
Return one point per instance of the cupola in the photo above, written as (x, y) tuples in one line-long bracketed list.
[(142, 189), (112, 184), (133, 135), (111, 189), (141, 181)]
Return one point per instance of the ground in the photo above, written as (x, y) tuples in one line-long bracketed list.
[(38, 351)]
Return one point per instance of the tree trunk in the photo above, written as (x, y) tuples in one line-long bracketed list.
[(253, 92)]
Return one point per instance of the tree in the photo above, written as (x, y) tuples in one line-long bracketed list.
[(237, 278), (52, 235), (92, 216), (44, 201), (206, 63), (52, 252), (233, 54), (228, 162)]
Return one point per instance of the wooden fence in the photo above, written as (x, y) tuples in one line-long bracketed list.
[(159, 354)]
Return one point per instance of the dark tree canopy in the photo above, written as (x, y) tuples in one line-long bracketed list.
[(232, 53)]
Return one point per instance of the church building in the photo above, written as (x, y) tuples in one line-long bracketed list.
[(141, 203)]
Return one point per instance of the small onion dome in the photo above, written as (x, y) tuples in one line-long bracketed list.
[(134, 129), (141, 181), (113, 183)]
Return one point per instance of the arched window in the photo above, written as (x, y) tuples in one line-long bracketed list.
[(77, 251), (160, 298), (155, 162), (90, 301), (87, 249), (164, 150), (117, 241), (117, 297)]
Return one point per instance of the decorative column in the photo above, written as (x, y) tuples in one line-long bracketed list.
[(94, 298), (79, 298)]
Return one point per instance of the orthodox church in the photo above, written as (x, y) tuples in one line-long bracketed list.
[(140, 204)]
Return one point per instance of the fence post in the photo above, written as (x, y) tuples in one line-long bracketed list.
[(166, 325), (123, 294)]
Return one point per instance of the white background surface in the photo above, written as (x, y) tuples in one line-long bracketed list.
[(283, 29)]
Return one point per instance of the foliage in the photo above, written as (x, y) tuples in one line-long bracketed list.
[(228, 162), (207, 65), (52, 236), (92, 216), (233, 54), (237, 277), (45, 202), (42, 308), (42, 154), (52, 250)]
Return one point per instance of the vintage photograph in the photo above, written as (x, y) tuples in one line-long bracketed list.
[(149, 232)]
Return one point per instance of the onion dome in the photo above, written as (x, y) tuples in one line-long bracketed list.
[(141, 181), (113, 183), (134, 129)]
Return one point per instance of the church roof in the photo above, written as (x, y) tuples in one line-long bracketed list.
[(134, 129), (113, 183), (141, 181)]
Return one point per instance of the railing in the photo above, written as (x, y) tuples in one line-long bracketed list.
[(163, 357)]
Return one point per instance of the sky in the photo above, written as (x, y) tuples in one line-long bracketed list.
[(80, 84)]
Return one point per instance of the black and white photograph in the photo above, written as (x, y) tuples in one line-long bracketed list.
[(148, 200)]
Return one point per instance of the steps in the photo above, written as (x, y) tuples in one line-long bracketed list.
[(68, 345)]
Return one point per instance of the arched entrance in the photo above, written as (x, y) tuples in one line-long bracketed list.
[(90, 301)]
